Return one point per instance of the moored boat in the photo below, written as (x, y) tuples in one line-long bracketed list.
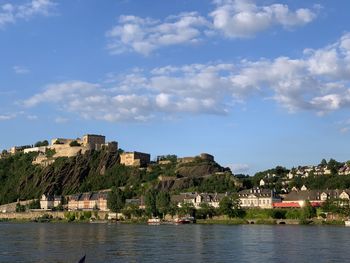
[(347, 222), (153, 221)]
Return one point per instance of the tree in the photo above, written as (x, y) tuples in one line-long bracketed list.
[(35, 204), (162, 202), (308, 210), (151, 202), (115, 200), (226, 206), (74, 144), (205, 211), (41, 143), (323, 163), (230, 206), (187, 209)]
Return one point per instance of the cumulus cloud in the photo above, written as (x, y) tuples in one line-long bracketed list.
[(231, 18), (244, 18), (133, 33), (213, 88), (10, 13)]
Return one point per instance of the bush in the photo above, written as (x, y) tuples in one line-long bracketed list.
[(278, 214), (34, 204), (74, 144), (20, 208), (294, 214)]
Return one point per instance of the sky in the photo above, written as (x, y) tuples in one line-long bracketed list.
[(256, 83)]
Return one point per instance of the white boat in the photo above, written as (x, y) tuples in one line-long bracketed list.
[(347, 222), (153, 221)]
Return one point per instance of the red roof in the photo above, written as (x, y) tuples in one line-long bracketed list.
[(286, 205)]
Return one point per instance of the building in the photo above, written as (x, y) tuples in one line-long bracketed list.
[(135, 159), (93, 141), (197, 199), (48, 202), (202, 157), (41, 149), (258, 198), (88, 201), (315, 197)]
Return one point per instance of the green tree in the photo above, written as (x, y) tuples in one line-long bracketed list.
[(187, 209), (116, 200), (151, 202), (35, 204), (41, 143), (323, 163), (163, 202), (74, 144), (308, 210)]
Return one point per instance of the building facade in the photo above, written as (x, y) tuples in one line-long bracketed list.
[(135, 159), (258, 198)]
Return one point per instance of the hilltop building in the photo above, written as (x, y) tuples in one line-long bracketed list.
[(135, 159), (202, 156)]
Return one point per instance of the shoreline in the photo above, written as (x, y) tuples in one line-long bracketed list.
[(232, 221)]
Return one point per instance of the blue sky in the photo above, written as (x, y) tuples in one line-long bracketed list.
[(255, 83)]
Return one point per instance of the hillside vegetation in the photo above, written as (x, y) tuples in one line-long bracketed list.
[(96, 170)]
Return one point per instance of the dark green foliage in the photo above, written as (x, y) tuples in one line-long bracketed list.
[(337, 206), (206, 211), (308, 211), (218, 184), (50, 152), (41, 143), (162, 202), (151, 202), (20, 208), (74, 144), (16, 172), (230, 206), (34, 204), (116, 200)]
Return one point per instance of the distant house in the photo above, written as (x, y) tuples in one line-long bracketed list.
[(262, 182), (315, 197), (256, 197), (197, 199), (88, 201), (48, 202)]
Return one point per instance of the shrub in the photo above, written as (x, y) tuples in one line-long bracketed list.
[(74, 144)]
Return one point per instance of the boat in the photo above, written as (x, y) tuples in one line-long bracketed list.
[(153, 221), (347, 222), (184, 220)]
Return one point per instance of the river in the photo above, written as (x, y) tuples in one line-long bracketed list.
[(47, 242)]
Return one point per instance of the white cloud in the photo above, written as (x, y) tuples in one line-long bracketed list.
[(61, 120), (6, 117), (244, 18), (20, 70), (212, 88), (239, 168), (232, 18), (32, 117), (10, 13), (133, 33)]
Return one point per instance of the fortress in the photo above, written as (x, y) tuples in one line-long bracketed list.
[(63, 147)]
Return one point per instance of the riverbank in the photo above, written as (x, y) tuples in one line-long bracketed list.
[(101, 217)]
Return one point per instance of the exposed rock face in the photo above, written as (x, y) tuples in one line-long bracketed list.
[(199, 170), (67, 174)]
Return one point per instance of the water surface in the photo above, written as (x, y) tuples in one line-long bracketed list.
[(35, 242)]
